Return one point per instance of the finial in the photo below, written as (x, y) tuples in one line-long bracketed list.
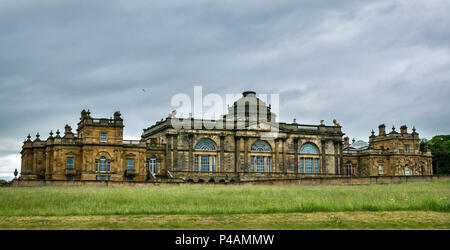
[(393, 128), (37, 135), (15, 173), (353, 140), (51, 133), (29, 136), (57, 132)]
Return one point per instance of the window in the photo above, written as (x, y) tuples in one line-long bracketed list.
[(308, 165), (102, 164), (380, 170), (205, 156), (130, 178), (96, 166), (196, 164), (259, 164), (349, 169), (260, 157), (205, 163), (407, 170), (406, 148), (109, 167), (309, 159), (130, 164), (70, 177), (153, 164), (103, 137), (70, 163), (102, 177)]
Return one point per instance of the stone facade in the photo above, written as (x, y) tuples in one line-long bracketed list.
[(244, 145), (392, 154)]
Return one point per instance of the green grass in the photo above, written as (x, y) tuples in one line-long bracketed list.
[(222, 199)]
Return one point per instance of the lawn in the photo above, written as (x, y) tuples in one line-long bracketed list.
[(409, 205)]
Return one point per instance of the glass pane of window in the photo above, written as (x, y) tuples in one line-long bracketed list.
[(380, 169), (205, 145), (130, 164), (70, 164), (102, 178), (153, 164), (268, 164), (205, 163), (213, 163), (260, 164), (102, 164), (70, 177), (309, 148), (109, 166), (103, 137), (96, 166), (300, 165), (406, 170), (316, 165), (260, 146), (130, 178), (253, 164), (196, 164), (308, 165)]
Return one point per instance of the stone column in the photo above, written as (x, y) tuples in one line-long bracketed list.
[(276, 165), (246, 168), (175, 153), (324, 162), (296, 155), (222, 155), (191, 152), (237, 141), (168, 153)]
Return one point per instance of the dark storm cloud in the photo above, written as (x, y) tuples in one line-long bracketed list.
[(360, 62)]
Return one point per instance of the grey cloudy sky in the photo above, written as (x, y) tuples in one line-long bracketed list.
[(360, 62)]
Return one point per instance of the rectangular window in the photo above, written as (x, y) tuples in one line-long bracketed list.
[(268, 164), (205, 163), (196, 164), (380, 169), (300, 166), (316, 166), (308, 165), (70, 177), (70, 163), (406, 148), (130, 164), (96, 166), (102, 178), (109, 167), (130, 178), (103, 137)]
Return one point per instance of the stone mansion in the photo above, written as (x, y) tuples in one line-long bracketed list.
[(201, 153)]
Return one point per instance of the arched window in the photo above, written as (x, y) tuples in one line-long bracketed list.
[(205, 156), (260, 157), (308, 159)]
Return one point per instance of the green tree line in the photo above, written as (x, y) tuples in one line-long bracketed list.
[(440, 149)]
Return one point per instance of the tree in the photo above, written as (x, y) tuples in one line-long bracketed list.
[(440, 149)]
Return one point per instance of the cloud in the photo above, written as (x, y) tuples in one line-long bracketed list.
[(360, 62), (8, 164)]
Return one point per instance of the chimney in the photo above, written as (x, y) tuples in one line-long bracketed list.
[(404, 129), (346, 142), (382, 129), (294, 120), (249, 93)]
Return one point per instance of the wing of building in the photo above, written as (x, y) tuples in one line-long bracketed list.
[(245, 144), (390, 154)]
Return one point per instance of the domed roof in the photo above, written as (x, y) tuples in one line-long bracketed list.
[(250, 106)]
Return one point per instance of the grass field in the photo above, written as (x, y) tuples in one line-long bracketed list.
[(410, 205)]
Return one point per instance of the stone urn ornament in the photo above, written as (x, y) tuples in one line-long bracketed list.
[(15, 173)]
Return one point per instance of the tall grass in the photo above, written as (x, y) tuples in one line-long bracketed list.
[(220, 199)]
